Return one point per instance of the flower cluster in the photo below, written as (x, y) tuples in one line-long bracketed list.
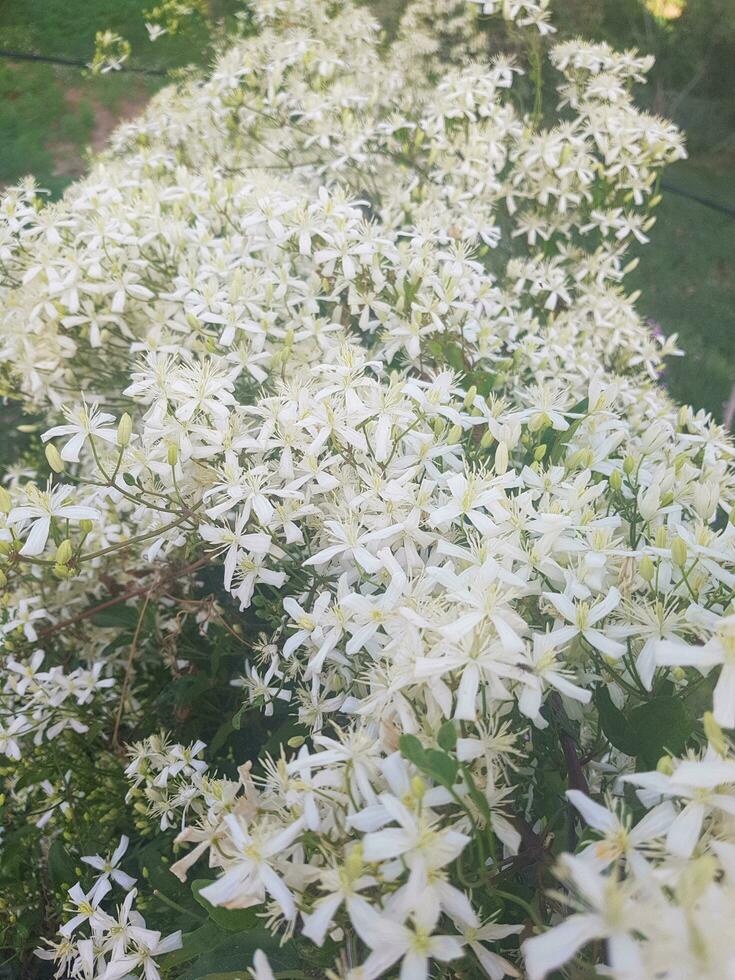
[(347, 344)]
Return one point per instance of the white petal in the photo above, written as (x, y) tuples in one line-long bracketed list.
[(684, 831), (594, 814), (552, 949)]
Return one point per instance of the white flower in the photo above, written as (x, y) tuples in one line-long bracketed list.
[(719, 650), (390, 941), (45, 505), (84, 423), (582, 617), (108, 866)]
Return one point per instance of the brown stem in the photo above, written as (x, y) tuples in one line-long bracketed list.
[(116, 600), (128, 673)]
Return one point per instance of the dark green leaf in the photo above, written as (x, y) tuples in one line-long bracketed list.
[(447, 736), (412, 749), (661, 725), (231, 920), (614, 723), (442, 767), (61, 865), (117, 617)]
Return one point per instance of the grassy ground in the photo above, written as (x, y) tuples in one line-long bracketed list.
[(49, 115)]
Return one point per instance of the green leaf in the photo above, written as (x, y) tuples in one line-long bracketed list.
[(129, 479), (61, 865), (220, 736), (660, 725), (231, 920), (233, 954), (412, 749), (237, 718), (118, 617), (442, 767), (194, 944), (614, 723), (647, 731), (447, 736)]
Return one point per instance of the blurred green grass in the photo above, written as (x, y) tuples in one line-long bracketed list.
[(687, 278), (50, 113)]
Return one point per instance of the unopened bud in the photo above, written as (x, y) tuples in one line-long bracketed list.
[(86, 525), (6, 501), (64, 552), (665, 765), (53, 458), (469, 398), (696, 878), (454, 434), (488, 439), (679, 551), (616, 481), (124, 430), (3, 579), (418, 787), (296, 742), (714, 734), (646, 569), (539, 452), (501, 458), (173, 455)]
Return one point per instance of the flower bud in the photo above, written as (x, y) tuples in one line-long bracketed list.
[(646, 569), (714, 734), (469, 398), (628, 465), (86, 526), (488, 439), (64, 552), (501, 458), (6, 501), (5, 548), (539, 452), (296, 742), (418, 787), (173, 455), (679, 551), (124, 430), (53, 458), (3, 579), (454, 434), (696, 877), (616, 481), (665, 765)]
